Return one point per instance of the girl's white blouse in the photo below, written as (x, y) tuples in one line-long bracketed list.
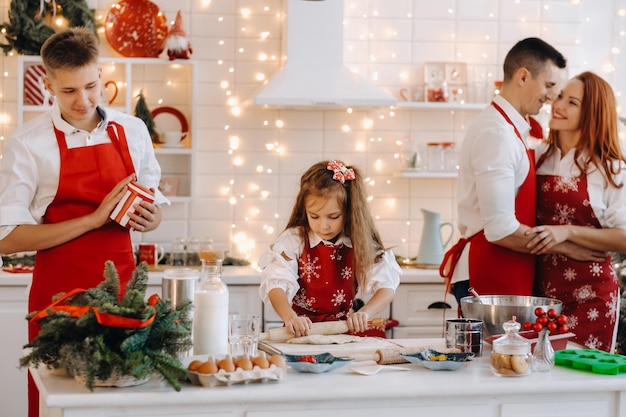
[(279, 272)]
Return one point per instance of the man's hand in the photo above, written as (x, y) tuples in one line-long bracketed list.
[(104, 210), (579, 253)]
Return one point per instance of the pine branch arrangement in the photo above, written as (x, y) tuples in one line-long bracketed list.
[(82, 346), (143, 112), (27, 30)]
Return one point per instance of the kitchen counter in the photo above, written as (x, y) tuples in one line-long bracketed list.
[(243, 275), (470, 391), (244, 299)]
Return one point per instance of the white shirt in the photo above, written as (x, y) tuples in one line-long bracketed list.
[(608, 202), (31, 163), (278, 272), (493, 165)]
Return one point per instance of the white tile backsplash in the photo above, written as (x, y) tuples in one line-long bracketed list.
[(387, 42)]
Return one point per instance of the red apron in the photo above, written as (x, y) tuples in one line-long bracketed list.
[(327, 282), (494, 269), (589, 290), (86, 176)]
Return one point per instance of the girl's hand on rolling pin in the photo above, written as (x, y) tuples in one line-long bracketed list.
[(357, 321), (298, 325)]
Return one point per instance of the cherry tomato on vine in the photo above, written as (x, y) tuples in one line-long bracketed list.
[(539, 312), (552, 313)]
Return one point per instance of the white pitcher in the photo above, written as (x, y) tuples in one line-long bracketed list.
[(431, 245)]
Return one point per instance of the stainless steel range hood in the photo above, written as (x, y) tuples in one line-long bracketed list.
[(314, 73)]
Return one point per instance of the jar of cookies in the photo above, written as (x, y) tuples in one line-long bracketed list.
[(511, 353)]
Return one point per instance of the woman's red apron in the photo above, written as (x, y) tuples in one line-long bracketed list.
[(494, 269), (327, 282), (86, 176), (589, 290)]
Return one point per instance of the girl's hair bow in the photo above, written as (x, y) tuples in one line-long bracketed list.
[(341, 172)]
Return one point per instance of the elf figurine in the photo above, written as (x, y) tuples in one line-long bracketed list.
[(178, 46)]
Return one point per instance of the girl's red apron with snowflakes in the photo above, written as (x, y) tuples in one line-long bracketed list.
[(327, 282), (589, 290)]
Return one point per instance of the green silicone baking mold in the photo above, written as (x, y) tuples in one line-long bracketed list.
[(591, 360)]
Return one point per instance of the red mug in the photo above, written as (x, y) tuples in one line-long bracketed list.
[(151, 253), (134, 194)]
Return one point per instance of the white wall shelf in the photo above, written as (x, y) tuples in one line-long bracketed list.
[(165, 84)]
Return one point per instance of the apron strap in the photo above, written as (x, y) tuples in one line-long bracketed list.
[(118, 138)]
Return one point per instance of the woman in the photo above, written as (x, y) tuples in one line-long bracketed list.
[(581, 198)]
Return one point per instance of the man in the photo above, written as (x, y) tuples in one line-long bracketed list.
[(64, 172), (496, 184)]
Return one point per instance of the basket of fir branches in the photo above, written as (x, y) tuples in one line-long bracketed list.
[(102, 339)]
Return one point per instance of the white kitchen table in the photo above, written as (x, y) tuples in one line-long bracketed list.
[(471, 391)]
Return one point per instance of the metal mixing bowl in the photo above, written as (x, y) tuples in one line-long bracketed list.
[(494, 310)]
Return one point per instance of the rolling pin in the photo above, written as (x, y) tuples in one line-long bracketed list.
[(389, 356), (324, 328)]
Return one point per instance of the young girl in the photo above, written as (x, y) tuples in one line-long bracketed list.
[(329, 251)]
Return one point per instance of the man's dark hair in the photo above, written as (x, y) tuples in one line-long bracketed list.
[(533, 54)]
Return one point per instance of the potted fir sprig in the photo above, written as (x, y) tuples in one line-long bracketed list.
[(94, 336)]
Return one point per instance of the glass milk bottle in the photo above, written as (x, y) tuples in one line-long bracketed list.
[(210, 321)]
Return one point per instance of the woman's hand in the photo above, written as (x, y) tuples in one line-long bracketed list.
[(546, 237), (298, 325), (357, 321)]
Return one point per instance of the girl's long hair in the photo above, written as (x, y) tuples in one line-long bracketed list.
[(359, 226), (598, 126)]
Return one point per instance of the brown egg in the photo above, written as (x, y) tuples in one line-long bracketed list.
[(244, 363), (277, 360), (194, 365), (208, 367), (226, 364), (261, 361)]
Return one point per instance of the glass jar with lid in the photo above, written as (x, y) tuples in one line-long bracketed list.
[(510, 354), (435, 156), (449, 157), (437, 87)]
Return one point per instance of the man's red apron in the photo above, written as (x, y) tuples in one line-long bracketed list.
[(589, 290), (87, 175), (327, 282), (494, 269)]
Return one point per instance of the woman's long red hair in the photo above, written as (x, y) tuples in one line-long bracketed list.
[(598, 126)]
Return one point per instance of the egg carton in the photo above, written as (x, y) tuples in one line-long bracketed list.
[(591, 360), (239, 376)]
